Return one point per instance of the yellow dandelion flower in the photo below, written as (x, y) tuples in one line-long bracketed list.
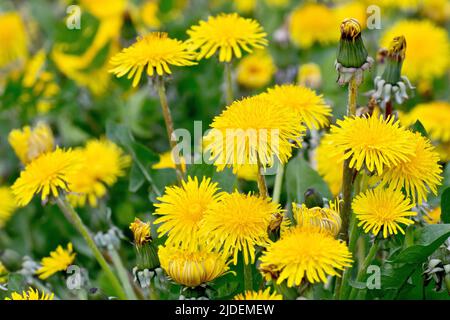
[(29, 143), (259, 295), (31, 294), (59, 260), (156, 51), (7, 205), (444, 151), (310, 107), (192, 268), (312, 23), (239, 222), (352, 9), (103, 162), (437, 10), (435, 117), (104, 9), (251, 130), (433, 216), (149, 14), (228, 33), (245, 6), (3, 274), (256, 70), (247, 172), (13, 38), (166, 161), (325, 219), (181, 210), (418, 176), (309, 75), (382, 208), (428, 50), (372, 141), (329, 164), (141, 231), (304, 252), (47, 175)]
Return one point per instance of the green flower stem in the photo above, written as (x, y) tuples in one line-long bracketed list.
[(362, 272), (123, 274), (169, 122), (73, 217), (229, 83), (347, 179), (278, 183), (262, 186), (248, 278)]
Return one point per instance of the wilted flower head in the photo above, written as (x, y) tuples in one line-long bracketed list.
[(59, 260), (154, 52), (192, 268), (29, 143), (228, 33)]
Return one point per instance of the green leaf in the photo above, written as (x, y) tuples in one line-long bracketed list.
[(429, 238), (299, 177), (418, 127), (137, 179), (445, 206), (226, 179)]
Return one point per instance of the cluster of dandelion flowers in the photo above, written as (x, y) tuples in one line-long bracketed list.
[(181, 210), (59, 260), (428, 49), (371, 141), (329, 164), (7, 205), (47, 175), (192, 267), (420, 174), (325, 219), (256, 70), (13, 38), (435, 117), (31, 294), (29, 143), (156, 52), (239, 223), (228, 33), (304, 252), (311, 108), (258, 295), (254, 130), (383, 209), (103, 162)]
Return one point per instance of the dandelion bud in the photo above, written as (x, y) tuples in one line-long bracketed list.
[(147, 256), (352, 57), (392, 85), (324, 219), (313, 198)]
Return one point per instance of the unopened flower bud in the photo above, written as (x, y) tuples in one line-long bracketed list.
[(147, 254)]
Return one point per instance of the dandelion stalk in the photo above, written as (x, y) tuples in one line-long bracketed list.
[(362, 272), (168, 120), (262, 186), (73, 217), (123, 274), (248, 277), (228, 83), (278, 183)]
